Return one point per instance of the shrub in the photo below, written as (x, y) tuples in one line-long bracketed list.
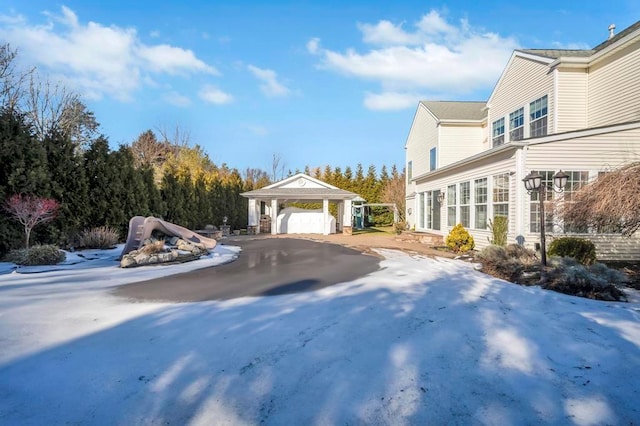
[(497, 262), (37, 255), (578, 248), (520, 252), (499, 228), (103, 237), (594, 282), (398, 227), (459, 240)]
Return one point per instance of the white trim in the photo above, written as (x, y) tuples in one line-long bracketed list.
[(556, 78), (300, 176)]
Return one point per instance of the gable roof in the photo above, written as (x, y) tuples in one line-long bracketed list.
[(617, 37), (558, 53), (581, 53), (298, 176), (295, 188), (456, 110)]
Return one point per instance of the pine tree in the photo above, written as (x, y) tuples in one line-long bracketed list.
[(69, 187), (23, 169)]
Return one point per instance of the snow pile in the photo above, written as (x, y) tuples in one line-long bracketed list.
[(422, 341)]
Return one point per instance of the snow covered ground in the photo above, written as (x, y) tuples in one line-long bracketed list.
[(422, 341)]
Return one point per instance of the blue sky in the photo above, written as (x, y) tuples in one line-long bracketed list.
[(316, 83)]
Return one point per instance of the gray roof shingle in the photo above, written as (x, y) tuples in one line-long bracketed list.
[(557, 53), (457, 110)]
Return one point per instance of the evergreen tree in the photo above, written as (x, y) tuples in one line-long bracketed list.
[(358, 181), (23, 170), (156, 206), (100, 180), (69, 187), (348, 183)]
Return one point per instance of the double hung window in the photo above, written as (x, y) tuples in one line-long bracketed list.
[(516, 125), (451, 206), (538, 117), (498, 132), (465, 199), (480, 192)]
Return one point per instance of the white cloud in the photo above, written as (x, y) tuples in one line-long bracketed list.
[(436, 57), (270, 87), (390, 101), (173, 60), (214, 95), (97, 59), (384, 32), (177, 99), (313, 45)]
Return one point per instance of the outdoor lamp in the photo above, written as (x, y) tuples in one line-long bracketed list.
[(560, 179), (533, 182)]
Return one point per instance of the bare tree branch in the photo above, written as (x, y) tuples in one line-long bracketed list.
[(612, 202)]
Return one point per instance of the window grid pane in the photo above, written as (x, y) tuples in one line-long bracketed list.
[(516, 125), (480, 192), (538, 117), (498, 132), (534, 219), (451, 205)]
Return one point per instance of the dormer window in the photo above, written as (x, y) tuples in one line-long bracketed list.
[(538, 117), (516, 125), (498, 132)]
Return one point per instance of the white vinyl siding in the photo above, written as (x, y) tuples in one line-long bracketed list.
[(572, 100), (422, 137), (458, 143), (614, 88), (523, 82), (599, 152)]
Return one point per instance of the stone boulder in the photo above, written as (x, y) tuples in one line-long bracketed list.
[(175, 250)]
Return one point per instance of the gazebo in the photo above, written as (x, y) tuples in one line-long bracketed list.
[(265, 206)]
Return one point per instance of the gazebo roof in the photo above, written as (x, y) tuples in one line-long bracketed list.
[(300, 187)]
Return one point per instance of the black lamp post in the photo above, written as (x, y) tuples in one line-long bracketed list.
[(533, 182)]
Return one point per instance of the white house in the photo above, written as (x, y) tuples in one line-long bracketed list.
[(270, 204), (571, 110)]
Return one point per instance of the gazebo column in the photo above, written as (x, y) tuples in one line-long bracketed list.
[(325, 216), (274, 216), (253, 225), (346, 218)]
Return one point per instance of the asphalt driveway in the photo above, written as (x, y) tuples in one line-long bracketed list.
[(265, 267)]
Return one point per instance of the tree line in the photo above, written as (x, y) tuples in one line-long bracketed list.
[(50, 147)]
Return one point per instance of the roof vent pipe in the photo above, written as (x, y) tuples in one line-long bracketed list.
[(612, 28)]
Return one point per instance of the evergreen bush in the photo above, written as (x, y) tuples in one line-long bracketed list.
[(102, 237), (597, 281), (499, 228), (459, 240), (496, 261), (37, 255), (580, 249)]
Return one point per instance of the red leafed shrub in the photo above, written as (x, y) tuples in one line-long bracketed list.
[(31, 211)]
